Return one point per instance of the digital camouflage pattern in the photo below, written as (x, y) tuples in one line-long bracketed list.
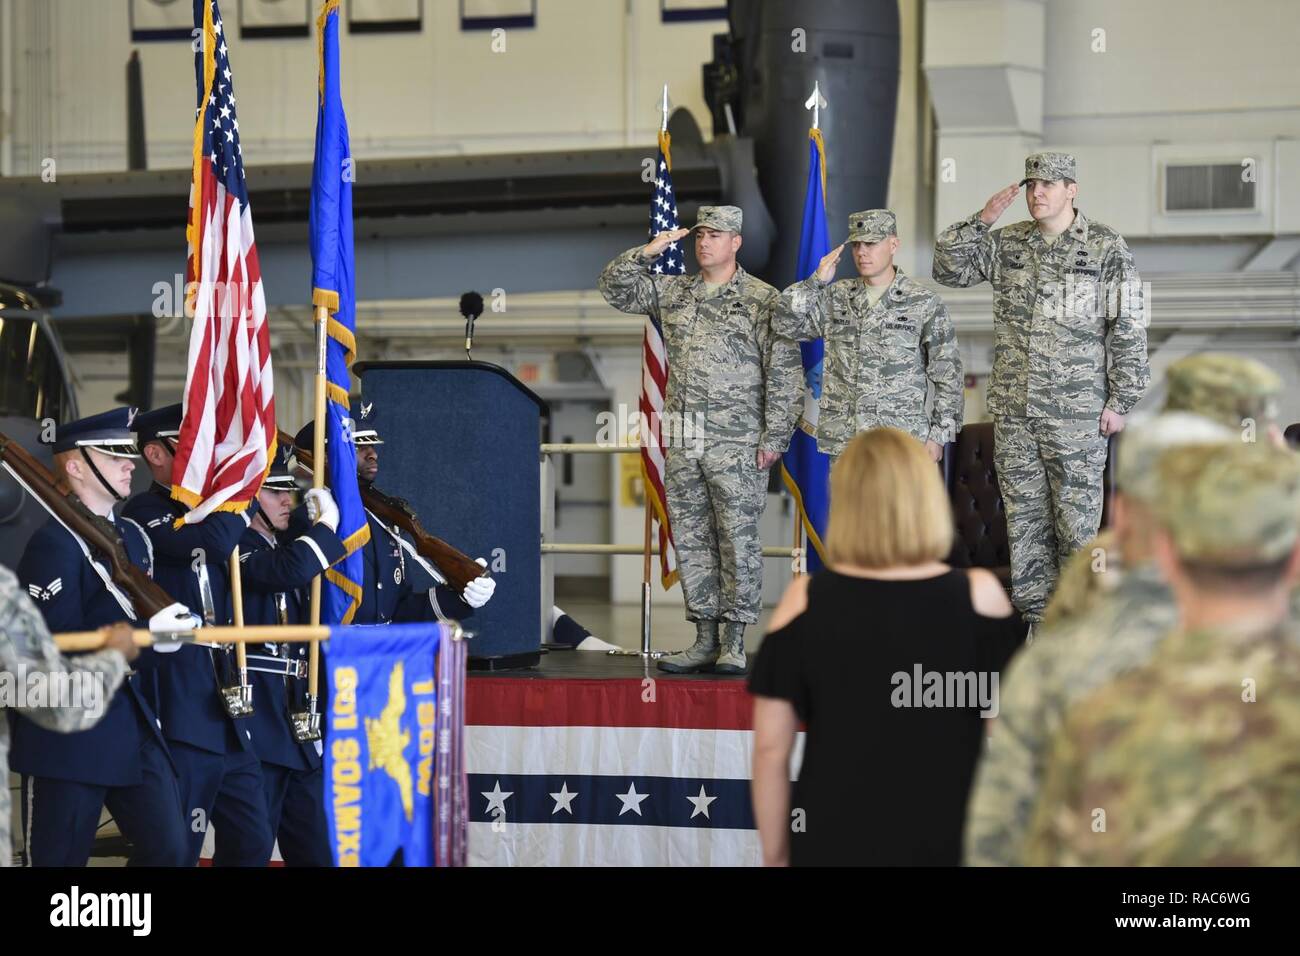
[(1118, 631), (738, 387), (878, 361), (25, 649), (872, 225), (1049, 472), (1230, 389), (1189, 760), (1230, 505), (1069, 319), (721, 218), (1051, 167), (1080, 583)]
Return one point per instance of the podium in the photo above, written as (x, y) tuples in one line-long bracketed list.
[(462, 445)]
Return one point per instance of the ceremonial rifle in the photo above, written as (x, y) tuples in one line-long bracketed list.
[(97, 532), (457, 567)]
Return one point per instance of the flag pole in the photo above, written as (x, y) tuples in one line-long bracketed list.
[(71, 642), (238, 699), (307, 726)]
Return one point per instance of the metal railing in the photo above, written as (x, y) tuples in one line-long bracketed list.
[(646, 549)]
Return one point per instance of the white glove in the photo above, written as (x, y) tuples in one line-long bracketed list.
[(479, 591), (321, 508), (171, 619)]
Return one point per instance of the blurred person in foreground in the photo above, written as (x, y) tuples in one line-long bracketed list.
[(1190, 759), (890, 657), (1208, 398)]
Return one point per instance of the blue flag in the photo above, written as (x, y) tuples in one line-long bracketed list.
[(332, 287), (380, 742), (806, 470)]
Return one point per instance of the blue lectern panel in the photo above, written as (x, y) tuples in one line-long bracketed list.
[(461, 445)]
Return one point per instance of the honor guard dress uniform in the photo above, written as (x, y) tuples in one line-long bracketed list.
[(399, 585), (122, 762), (882, 354), (1070, 341), (221, 777), (28, 653), (274, 577)]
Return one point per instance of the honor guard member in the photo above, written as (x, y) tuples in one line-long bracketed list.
[(221, 777), (886, 338), (122, 762), (399, 585), (29, 654), (735, 390), (275, 576), (1069, 361)]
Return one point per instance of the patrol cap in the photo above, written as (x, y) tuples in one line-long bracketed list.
[(279, 478), (872, 225), (1144, 441), (721, 218), (108, 432), (363, 423), (162, 422), (1226, 388), (1050, 167), (1230, 505)]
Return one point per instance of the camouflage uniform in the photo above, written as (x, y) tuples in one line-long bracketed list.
[(1192, 755), (877, 360), (26, 648), (1070, 340), (1121, 626), (1115, 630), (729, 373)]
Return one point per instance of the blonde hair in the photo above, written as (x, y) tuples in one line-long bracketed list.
[(888, 504)]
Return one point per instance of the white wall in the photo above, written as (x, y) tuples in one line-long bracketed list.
[(1128, 85), (588, 75)]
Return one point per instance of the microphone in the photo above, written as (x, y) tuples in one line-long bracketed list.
[(471, 306)]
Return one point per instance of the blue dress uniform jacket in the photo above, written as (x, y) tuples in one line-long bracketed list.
[(396, 585), (72, 597), (272, 574), (122, 762), (189, 701)]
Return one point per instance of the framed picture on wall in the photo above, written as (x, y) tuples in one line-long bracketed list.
[(498, 14), (685, 11), (385, 16), (161, 20), (259, 19)]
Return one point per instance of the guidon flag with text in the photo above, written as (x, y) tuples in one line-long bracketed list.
[(227, 437)]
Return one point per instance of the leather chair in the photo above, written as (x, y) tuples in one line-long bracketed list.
[(1292, 435), (977, 510)]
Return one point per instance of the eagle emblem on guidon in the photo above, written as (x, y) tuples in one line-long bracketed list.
[(386, 740)]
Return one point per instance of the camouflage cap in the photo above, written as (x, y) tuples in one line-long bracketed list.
[(722, 218), (1143, 442), (1050, 166), (1226, 388), (1230, 505), (872, 225)]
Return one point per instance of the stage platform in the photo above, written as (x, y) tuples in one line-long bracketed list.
[(591, 759)]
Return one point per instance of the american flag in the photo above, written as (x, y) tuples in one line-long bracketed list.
[(654, 362), (227, 436)]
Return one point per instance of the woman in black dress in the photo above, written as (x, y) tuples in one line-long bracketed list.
[(888, 657)]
